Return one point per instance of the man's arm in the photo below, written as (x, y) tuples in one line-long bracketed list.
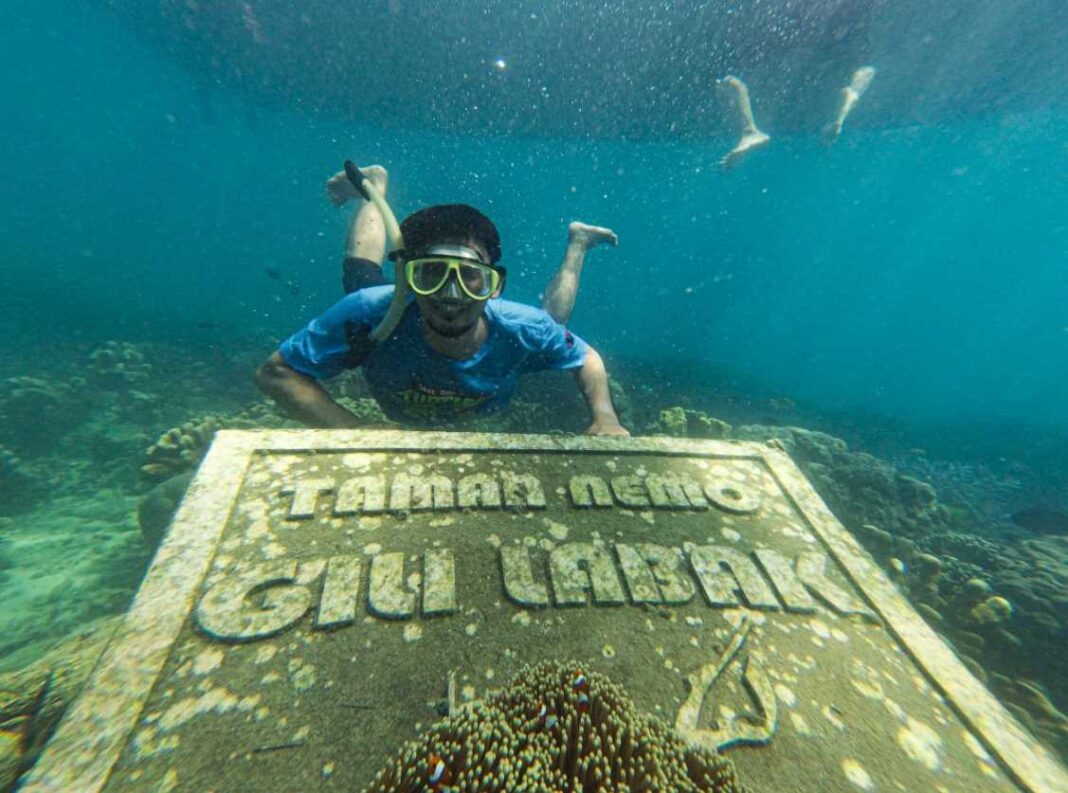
[(302, 396), (593, 380)]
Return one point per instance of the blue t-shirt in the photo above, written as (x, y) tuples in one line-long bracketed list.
[(410, 380)]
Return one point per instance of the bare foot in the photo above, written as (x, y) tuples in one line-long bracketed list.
[(340, 190), (750, 140), (752, 136), (588, 236)]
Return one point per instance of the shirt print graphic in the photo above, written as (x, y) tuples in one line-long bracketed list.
[(421, 400)]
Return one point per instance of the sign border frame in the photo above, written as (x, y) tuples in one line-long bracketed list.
[(93, 733)]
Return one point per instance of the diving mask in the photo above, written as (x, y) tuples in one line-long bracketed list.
[(430, 272)]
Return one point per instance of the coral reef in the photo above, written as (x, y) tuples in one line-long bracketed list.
[(118, 366), (1000, 600), (180, 449), (682, 423), (33, 699), (36, 412), (1002, 605), (21, 486), (1041, 520), (535, 735), (157, 507), (858, 487)]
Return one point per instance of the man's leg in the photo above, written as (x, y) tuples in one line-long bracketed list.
[(752, 137), (559, 298), (365, 241), (851, 94)]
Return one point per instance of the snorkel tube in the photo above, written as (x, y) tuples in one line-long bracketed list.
[(366, 188)]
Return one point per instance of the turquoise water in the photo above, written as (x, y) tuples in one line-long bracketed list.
[(916, 272), (906, 289)]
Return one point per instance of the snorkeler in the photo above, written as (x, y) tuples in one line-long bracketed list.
[(365, 246), (752, 137), (455, 349), (851, 94)]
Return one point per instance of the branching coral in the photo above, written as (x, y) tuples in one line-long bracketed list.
[(537, 735)]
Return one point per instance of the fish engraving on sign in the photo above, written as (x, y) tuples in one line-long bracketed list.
[(732, 729)]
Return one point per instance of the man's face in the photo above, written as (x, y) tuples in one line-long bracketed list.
[(449, 312)]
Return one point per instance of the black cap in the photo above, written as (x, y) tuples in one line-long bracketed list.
[(450, 223)]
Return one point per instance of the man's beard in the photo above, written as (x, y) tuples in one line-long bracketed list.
[(449, 331)]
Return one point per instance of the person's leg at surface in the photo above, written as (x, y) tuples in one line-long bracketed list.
[(365, 241), (752, 136), (559, 298), (850, 95)]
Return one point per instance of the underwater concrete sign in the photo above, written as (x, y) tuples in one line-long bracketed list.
[(325, 596)]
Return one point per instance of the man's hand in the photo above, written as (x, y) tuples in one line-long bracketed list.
[(607, 426), (301, 396), (593, 380)]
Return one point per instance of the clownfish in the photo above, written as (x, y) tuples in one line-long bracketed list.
[(579, 682), (439, 774), (547, 718), (583, 702)]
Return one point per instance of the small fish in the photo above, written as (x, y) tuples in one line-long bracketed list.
[(547, 718), (583, 702), (439, 776), (579, 682), (273, 273)]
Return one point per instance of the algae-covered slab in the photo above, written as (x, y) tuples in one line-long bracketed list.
[(323, 597)]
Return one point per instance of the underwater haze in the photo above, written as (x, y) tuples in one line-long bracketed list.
[(916, 271), (903, 286)]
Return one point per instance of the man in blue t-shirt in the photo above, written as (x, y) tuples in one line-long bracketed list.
[(458, 348)]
